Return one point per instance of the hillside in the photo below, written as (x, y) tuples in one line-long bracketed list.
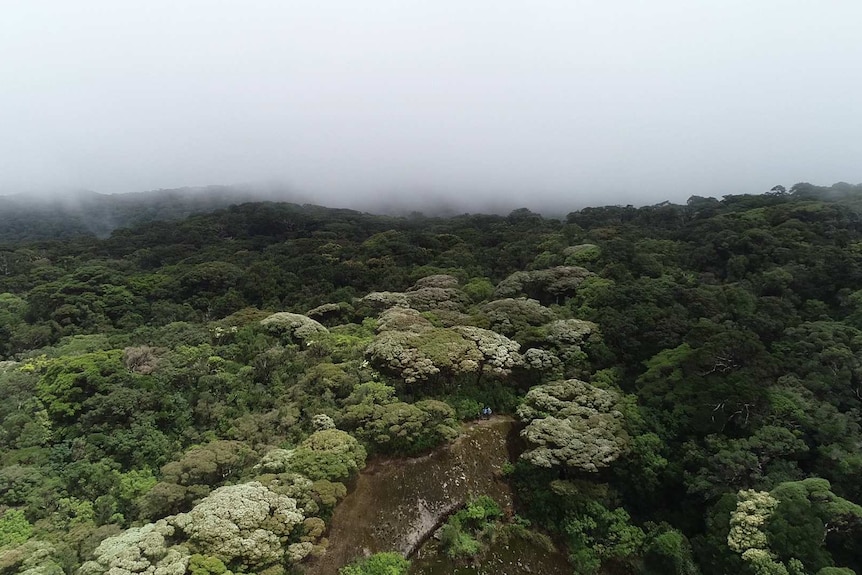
[(198, 395), (27, 217)]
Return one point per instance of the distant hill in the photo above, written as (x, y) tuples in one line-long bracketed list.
[(58, 216), (38, 217)]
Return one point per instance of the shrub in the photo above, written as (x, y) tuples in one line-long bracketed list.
[(377, 564)]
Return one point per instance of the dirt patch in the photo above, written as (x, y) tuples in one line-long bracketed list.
[(396, 503)]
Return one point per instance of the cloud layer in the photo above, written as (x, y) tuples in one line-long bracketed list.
[(542, 101)]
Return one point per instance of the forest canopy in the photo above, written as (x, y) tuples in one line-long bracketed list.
[(197, 396)]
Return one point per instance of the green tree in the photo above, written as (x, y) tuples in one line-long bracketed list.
[(572, 425), (67, 382), (14, 528), (374, 415), (330, 454), (138, 549), (243, 525), (197, 471)]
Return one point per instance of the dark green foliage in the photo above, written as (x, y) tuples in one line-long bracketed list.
[(667, 551), (91, 214), (807, 513), (471, 397), (136, 376)]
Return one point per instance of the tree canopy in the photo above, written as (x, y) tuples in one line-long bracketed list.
[(198, 395)]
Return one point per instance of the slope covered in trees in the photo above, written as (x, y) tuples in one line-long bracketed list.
[(196, 396), (28, 217)]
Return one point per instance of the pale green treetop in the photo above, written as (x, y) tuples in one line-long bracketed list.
[(573, 424), (247, 522)]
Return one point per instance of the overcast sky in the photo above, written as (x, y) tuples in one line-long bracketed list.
[(585, 101)]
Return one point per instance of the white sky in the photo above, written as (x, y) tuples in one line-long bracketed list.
[(578, 101)]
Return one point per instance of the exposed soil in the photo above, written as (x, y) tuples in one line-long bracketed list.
[(397, 503)]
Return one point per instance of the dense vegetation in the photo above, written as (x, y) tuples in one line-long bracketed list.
[(74, 214), (196, 396)]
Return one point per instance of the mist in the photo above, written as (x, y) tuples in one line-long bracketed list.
[(539, 104)]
